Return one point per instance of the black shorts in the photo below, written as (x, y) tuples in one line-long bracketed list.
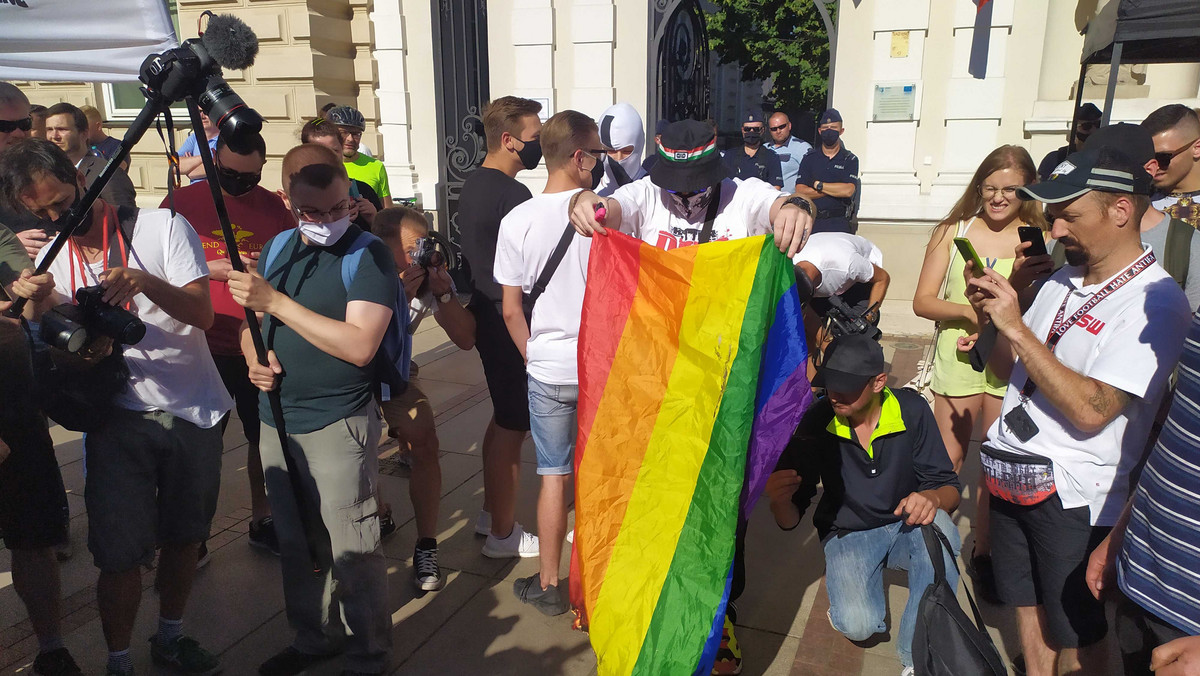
[(33, 502), (1040, 554), (503, 366), (236, 376)]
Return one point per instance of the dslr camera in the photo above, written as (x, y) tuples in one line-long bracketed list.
[(70, 326), (845, 320), (427, 255)]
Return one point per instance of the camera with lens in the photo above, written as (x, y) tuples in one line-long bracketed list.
[(426, 254), (845, 320), (71, 326), (194, 69)]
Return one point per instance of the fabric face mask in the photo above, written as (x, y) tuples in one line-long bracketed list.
[(235, 182), (598, 172), (691, 205), (324, 234), (829, 137), (752, 138), (530, 153)]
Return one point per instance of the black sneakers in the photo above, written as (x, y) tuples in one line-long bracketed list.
[(290, 662), (426, 574), (56, 662), (262, 535), (548, 601)]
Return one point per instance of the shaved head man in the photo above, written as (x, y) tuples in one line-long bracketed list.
[(1176, 132), (789, 149)]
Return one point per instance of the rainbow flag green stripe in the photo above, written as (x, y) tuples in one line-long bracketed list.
[(673, 352)]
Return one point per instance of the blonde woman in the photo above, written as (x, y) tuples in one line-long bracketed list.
[(988, 214)]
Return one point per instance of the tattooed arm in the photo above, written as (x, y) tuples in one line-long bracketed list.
[(1086, 402)]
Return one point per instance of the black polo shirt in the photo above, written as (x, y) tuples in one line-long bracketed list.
[(833, 213), (861, 487), (764, 165)]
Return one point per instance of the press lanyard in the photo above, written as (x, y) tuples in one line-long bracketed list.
[(109, 217), (1060, 327)]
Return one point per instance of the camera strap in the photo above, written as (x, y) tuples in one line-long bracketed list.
[(116, 252), (560, 251), (710, 215)]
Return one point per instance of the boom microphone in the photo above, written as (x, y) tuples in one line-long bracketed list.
[(230, 42)]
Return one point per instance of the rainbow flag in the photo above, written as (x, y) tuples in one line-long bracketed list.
[(692, 378)]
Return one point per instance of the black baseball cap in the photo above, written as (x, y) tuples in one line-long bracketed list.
[(850, 361), (1080, 174), (1131, 140), (1089, 112), (688, 158)]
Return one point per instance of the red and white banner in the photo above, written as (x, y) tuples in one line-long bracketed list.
[(81, 40)]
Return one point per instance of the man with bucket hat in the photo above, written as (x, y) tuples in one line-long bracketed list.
[(1087, 366)]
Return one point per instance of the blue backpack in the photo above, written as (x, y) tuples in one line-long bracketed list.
[(395, 351)]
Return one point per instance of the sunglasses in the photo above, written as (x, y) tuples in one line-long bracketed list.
[(9, 126), (1163, 158), (779, 128), (752, 128), (1087, 125)]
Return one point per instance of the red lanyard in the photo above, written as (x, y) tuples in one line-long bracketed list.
[(110, 218), (1059, 328)]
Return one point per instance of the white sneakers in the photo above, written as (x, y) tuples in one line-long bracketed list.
[(518, 544), (483, 523)]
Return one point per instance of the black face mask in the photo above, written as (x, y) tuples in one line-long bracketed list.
[(236, 182), (530, 153), (829, 137), (598, 172), (752, 138)]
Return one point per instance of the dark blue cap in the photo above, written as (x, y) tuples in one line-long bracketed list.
[(831, 115)]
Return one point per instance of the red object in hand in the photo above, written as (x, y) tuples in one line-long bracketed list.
[(600, 212)]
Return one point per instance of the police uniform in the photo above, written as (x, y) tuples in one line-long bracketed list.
[(833, 213), (763, 164)]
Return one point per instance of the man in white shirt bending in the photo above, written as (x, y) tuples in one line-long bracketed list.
[(1092, 357)]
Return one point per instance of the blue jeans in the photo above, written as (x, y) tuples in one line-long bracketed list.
[(553, 423), (854, 565)]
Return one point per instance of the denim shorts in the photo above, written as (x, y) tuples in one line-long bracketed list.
[(553, 423)]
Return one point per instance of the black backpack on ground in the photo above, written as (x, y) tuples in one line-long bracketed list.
[(946, 642)]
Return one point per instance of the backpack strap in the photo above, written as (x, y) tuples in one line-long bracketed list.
[(710, 216), (1177, 253), (560, 251), (272, 248), (935, 542), (353, 255)]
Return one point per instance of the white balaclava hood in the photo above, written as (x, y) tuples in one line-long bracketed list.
[(620, 127)]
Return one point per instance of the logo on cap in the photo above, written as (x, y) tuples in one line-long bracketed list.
[(1062, 170)]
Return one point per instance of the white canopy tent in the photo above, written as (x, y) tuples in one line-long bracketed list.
[(81, 40)]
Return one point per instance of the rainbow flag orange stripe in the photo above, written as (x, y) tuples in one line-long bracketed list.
[(691, 380)]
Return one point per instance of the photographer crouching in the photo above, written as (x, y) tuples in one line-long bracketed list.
[(153, 448)]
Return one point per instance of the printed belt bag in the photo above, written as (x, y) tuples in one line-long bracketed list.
[(1020, 479)]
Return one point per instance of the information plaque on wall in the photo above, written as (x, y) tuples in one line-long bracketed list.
[(894, 103)]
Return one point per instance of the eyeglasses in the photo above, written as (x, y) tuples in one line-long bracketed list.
[(352, 132), (989, 191), (1087, 125), (779, 128), (595, 154), (9, 126), (318, 216), (1163, 158), (759, 129)]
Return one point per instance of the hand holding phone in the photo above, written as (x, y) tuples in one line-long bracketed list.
[(1033, 236), (967, 251)]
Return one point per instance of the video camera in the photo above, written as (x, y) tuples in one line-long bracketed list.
[(844, 320), (194, 69), (71, 326)]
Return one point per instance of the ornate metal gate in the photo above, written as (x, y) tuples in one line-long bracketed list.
[(678, 61), (460, 42)]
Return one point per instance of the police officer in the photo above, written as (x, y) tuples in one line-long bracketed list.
[(789, 148), (756, 161), (829, 177)]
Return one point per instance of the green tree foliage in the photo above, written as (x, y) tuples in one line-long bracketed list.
[(780, 39)]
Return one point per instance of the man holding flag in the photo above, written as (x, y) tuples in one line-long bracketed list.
[(689, 198)]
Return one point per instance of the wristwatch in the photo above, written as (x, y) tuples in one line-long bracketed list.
[(819, 186), (445, 297), (803, 204)]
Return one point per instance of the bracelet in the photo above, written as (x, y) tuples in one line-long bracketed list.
[(803, 204)]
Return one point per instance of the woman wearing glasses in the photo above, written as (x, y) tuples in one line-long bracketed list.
[(988, 214)]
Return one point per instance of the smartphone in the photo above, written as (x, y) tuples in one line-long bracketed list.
[(354, 190), (1033, 235), (968, 253)]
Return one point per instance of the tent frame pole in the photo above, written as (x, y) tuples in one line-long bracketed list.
[(1112, 83)]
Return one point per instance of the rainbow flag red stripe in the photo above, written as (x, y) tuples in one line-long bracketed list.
[(691, 380)]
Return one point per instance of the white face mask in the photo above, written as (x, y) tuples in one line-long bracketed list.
[(324, 234)]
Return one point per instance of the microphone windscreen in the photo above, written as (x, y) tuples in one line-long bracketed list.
[(230, 42)]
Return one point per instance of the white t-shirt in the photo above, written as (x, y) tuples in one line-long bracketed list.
[(1131, 341), (425, 305), (528, 236), (648, 213), (843, 259), (171, 368)]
